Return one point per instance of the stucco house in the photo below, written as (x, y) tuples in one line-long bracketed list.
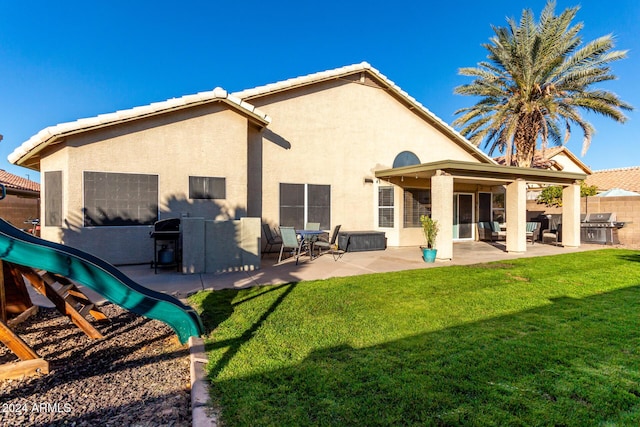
[(344, 146)]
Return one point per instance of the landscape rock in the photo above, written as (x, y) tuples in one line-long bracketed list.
[(137, 375)]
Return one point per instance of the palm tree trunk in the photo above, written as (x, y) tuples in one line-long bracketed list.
[(525, 140)]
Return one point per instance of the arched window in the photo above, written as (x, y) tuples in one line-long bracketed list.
[(406, 158)]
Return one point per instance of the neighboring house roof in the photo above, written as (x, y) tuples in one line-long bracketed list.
[(550, 159), (12, 181), (341, 72), (624, 178), (52, 134)]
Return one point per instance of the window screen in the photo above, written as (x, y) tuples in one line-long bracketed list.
[(292, 205), (302, 203), (319, 205), (53, 198), (119, 199), (484, 207), (204, 187)]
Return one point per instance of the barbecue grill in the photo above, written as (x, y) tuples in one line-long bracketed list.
[(600, 228), (166, 235)]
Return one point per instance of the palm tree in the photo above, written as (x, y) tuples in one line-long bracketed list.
[(537, 78)]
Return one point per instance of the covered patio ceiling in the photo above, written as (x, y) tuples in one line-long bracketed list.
[(471, 172)]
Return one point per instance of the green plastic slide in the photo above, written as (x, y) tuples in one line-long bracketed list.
[(19, 247)]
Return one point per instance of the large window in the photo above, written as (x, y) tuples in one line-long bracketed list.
[(417, 202), (385, 207), (498, 207), (205, 187), (53, 198), (303, 203), (119, 199), (491, 207)]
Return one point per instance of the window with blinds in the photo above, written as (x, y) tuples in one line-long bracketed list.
[(385, 207)]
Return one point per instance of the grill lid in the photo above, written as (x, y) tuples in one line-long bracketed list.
[(607, 217), (166, 228)]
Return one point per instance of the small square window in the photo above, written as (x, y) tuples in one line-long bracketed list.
[(204, 187)]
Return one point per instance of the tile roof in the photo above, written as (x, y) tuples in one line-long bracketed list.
[(14, 181), (625, 178), (51, 133), (539, 161), (321, 76), (546, 161)]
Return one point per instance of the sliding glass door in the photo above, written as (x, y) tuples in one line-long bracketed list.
[(463, 217)]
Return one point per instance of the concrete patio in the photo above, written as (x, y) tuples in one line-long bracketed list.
[(323, 267)]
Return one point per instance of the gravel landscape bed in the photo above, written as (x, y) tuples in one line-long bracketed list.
[(138, 375)]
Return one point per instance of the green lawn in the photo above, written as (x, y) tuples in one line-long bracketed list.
[(537, 341)]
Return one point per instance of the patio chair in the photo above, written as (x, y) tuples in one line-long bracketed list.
[(533, 231), (272, 239), (289, 241), (490, 230), (552, 236), (500, 233), (312, 226), (331, 245), (484, 231)]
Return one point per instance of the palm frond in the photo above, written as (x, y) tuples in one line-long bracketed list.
[(536, 77)]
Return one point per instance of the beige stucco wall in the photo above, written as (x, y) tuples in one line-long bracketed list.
[(335, 133), (339, 133), (568, 165), (204, 141)]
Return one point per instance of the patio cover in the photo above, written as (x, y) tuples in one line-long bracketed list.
[(443, 174), (471, 172)]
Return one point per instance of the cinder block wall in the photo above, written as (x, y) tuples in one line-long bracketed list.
[(627, 210), (220, 246), (16, 210)]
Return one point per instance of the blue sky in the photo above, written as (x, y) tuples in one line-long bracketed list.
[(61, 61)]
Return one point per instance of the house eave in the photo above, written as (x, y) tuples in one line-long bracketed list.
[(27, 154)]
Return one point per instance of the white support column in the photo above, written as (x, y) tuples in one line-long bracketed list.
[(571, 215), (442, 211), (517, 216)]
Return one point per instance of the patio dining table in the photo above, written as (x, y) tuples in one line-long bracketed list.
[(308, 237)]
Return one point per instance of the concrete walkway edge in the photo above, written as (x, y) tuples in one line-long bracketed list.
[(201, 410)]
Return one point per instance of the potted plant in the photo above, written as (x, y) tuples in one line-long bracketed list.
[(430, 229)]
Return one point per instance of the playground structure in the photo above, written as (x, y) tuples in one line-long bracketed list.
[(53, 270)]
